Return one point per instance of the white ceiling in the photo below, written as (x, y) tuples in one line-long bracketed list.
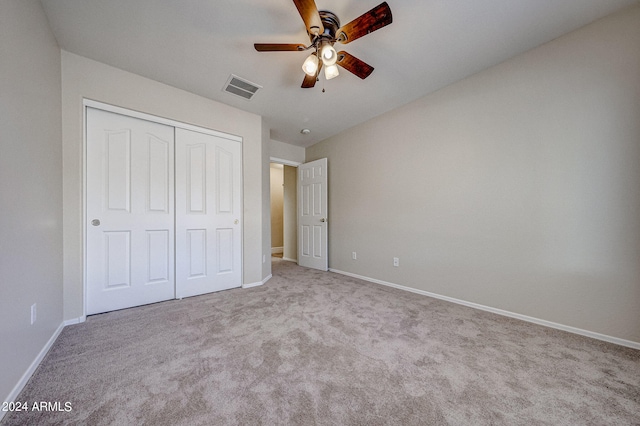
[(196, 44)]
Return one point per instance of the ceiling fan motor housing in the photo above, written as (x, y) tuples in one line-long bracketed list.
[(331, 24)]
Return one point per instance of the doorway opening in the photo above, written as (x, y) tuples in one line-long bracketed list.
[(284, 235)]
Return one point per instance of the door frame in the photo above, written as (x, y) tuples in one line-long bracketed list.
[(290, 163), (90, 103)]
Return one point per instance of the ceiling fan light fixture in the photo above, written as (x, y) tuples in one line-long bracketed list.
[(331, 71), (310, 65), (329, 55), (324, 30)]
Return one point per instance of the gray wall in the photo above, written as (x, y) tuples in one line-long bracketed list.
[(516, 188), (30, 188)]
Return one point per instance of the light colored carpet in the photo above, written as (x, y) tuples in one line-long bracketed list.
[(319, 348)]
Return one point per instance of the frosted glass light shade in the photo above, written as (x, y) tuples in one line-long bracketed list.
[(331, 71), (329, 55), (310, 65)]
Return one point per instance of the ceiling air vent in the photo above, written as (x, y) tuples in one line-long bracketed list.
[(241, 87)]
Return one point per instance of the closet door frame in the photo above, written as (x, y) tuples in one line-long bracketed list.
[(89, 103)]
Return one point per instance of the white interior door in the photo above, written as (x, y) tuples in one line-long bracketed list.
[(313, 250), (130, 212), (208, 213)]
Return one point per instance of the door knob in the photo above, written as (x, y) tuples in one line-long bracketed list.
[(95, 222), (324, 219), (236, 221)]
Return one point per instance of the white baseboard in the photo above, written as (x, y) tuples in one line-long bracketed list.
[(290, 260), (275, 250), (73, 321), (574, 330), (32, 368), (258, 283)]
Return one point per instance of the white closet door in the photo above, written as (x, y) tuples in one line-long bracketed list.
[(130, 212), (208, 213)]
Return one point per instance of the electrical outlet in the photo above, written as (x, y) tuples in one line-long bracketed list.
[(396, 261), (353, 255), (33, 313)]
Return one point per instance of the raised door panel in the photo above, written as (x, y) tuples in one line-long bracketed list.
[(306, 200), (117, 170), (196, 174), (317, 242), (224, 181), (158, 177), (158, 260), (316, 199), (117, 250), (305, 246), (225, 251), (197, 253)]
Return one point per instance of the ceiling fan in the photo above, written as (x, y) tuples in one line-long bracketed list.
[(324, 31)]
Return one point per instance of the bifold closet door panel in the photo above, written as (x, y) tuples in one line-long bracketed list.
[(208, 213), (129, 212)]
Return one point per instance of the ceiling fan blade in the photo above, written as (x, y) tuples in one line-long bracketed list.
[(310, 81), (354, 65), (278, 47), (310, 16), (366, 23)]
